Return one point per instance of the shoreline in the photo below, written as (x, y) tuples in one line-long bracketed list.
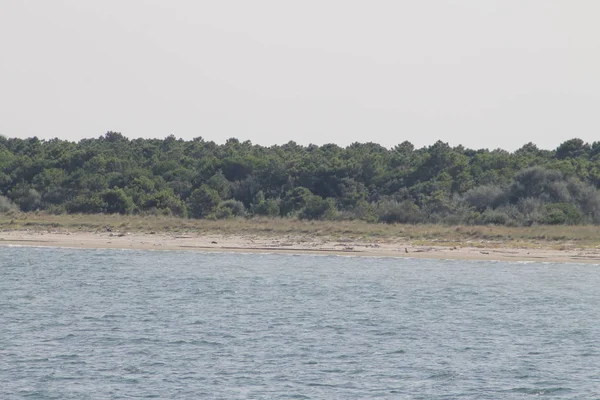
[(290, 244)]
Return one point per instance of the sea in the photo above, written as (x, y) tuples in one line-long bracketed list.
[(127, 324)]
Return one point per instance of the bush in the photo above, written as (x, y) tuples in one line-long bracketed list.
[(6, 205), (362, 211), (203, 201), (231, 208), (222, 213), (392, 211), (484, 197), (463, 214), (534, 182), (56, 209), (167, 202), (495, 217), (86, 204), (25, 197), (561, 213), (267, 208), (117, 202), (531, 210), (318, 208), (588, 198), (295, 200)]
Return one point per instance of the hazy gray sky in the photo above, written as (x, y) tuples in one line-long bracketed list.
[(483, 73)]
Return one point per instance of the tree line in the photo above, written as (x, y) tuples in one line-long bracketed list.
[(365, 181)]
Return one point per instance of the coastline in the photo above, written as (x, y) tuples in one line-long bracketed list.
[(291, 244)]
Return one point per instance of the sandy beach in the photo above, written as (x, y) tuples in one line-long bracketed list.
[(288, 244)]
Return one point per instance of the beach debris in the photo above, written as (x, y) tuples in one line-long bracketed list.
[(108, 228), (405, 250), (213, 242)]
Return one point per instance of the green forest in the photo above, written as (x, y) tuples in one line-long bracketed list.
[(364, 181)]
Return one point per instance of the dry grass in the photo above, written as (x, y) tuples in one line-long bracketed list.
[(489, 236)]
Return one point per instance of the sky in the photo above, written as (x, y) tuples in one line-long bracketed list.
[(480, 73)]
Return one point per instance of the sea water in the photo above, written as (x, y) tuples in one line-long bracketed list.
[(111, 324)]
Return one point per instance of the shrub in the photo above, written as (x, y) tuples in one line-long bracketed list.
[(362, 211), (27, 198), (295, 200), (166, 201), (223, 213), (235, 208), (531, 210), (484, 197), (267, 208), (392, 211), (56, 209), (561, 213), (117, 202), (203, 201), (534, 182), (6, 205), (588, 198), (318, 208), (86, 204), (495, 217)]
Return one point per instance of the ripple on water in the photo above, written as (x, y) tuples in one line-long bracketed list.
[(119, 324)]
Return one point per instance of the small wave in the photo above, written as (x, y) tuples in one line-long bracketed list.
[(540, 391), (144, 340), (443, 375), (132, 369), (113, 316), (399, 351), (67, 356), (315, 384), (196, 342)]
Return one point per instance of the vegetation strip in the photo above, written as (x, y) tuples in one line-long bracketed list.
[(438, 184)]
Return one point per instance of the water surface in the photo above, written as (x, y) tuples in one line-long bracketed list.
[(112, 324)]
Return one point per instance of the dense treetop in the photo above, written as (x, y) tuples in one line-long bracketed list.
[(200, 179)]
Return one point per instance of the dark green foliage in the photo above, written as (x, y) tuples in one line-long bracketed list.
[(86, 204), (499, 216), (6, 205), (264, 207), (295, 200), (165, 202), (117, 202), (484, 197), (572, 148), (392, 211), (203, 202), (318, 208), (267, 208), (219, 183), (434, 184), (231, 208), (561, 213), (27, 198)]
